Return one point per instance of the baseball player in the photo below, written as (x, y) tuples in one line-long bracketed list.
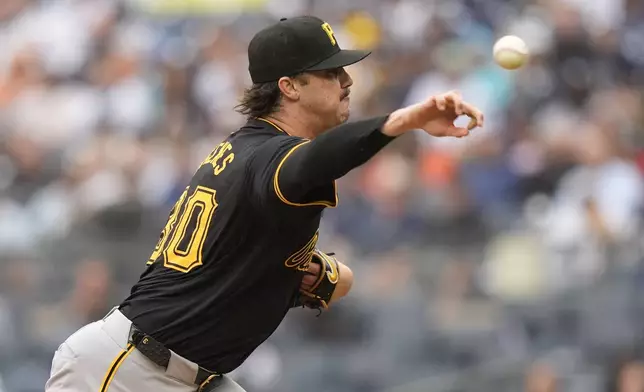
[(239, 248)]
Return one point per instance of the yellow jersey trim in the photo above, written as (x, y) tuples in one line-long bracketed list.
[(116, 363), (273, 124), (280, 195)]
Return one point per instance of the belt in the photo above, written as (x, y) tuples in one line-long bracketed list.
[(159, 354), (119, 328)]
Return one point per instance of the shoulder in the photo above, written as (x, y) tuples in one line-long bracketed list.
[(263, 142), (259, 133), (268, 146)]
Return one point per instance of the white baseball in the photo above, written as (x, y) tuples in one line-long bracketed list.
[(510, 52)]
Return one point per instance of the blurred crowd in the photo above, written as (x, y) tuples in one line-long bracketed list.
[(507, 261)]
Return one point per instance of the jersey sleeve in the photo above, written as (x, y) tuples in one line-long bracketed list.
[(273, 182), (302, 172)]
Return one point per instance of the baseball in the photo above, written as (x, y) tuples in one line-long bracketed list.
[(510, 52)]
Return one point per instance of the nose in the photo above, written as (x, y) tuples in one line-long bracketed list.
[(345, 79)]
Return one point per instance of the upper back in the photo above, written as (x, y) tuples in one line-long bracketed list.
[(231, 255)]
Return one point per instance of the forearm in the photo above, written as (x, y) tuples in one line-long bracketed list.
[(331, 155)]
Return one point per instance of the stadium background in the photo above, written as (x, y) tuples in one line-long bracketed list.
[(510, 261)]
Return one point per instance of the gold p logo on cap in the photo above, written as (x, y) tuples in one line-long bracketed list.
[(329, 31)]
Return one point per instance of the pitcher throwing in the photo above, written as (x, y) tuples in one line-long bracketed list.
[(239, 248)]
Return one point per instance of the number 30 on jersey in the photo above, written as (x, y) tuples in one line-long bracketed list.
[(183, 237)]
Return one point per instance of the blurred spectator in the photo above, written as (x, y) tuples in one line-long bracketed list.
[(541, 378), (88, 301), (596, 208)]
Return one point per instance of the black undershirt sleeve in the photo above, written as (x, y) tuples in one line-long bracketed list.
[(313, 164)]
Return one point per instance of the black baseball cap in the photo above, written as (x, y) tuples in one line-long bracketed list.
[(294, 45)]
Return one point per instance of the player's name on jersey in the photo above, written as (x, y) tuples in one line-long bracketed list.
[(217, 159)]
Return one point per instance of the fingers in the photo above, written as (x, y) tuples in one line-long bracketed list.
[(472, 124), (310, 276), (307, 281), (475, 115), (458, 131), (314, 268), (439, 113), (439, 102), (453, 101)]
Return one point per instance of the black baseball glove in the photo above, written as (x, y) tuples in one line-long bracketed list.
[(318, 295)]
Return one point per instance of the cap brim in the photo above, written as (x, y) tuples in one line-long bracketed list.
[(341, 59)]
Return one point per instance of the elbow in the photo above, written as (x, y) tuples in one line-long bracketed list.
[(344, 283)]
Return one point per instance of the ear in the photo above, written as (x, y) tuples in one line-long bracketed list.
[(289, 88)]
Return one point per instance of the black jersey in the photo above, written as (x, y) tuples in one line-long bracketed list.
[(232, 254), (228, 264)]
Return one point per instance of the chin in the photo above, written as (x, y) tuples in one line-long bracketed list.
[(344, 117)]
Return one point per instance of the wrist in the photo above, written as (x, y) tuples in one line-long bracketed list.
[(344, 284), (394, 126)]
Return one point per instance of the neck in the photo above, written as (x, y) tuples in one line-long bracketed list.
[(302, 125)]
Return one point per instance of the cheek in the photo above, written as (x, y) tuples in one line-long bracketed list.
[(322, 100)]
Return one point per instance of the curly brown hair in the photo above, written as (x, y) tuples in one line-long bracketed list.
[(263, 99), (260, 99)]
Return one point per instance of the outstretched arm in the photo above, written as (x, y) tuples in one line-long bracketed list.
[(311, 164)]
